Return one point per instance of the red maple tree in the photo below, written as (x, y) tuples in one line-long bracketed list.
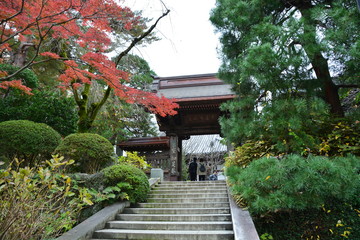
[(87, 25)]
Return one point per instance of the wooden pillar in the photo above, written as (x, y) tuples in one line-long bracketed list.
[(180, 159), (174, 158)]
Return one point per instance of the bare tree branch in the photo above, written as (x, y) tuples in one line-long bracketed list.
[(138, 39)]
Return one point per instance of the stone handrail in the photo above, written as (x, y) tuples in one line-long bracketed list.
[(243, 225)]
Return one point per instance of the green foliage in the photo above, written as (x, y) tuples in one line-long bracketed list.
[(343, 139), (184, 169), (27, 140), (281, 58), (342, 38), (124, 173), (48, 72), (286, 61), (245, 154), (291, 125), (4, 161), (134, 159), (141, 73), (295, 183), (100, 193), (329, 139), (111, 193), (27, 76), (91, 152), (266, 236), (46, 107), (119, 120), (335, 221), (39, 202)]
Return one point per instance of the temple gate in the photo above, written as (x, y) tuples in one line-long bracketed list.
[(199, 98)]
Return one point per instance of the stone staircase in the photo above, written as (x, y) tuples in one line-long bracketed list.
[(175, 210)]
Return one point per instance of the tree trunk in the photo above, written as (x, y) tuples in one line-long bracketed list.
[(87, 114), (319, 63), (21, 54), (331, 94), (83, 124)]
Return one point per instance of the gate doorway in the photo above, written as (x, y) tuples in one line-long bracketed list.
[(199, 98), (210, 148)]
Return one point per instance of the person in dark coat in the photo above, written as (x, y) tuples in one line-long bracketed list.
[(193, 170)]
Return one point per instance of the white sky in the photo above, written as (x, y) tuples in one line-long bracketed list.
[(188, 45)]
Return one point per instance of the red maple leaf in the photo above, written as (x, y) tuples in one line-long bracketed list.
[(88, 26)]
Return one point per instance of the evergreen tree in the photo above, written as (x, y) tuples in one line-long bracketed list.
[(286, 60)]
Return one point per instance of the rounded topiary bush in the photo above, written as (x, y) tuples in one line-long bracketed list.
[(27, 140), (125, 173), (91, 152)]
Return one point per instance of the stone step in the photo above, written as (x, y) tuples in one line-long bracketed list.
[(192, 182), (187, 200), (189, 195), (199, 185), (159, 234), (181, 191), (174, 217), (185, 205), (153, 225), (176, 210), (186, 188)]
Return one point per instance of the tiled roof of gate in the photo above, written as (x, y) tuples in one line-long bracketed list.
[(192, 87)]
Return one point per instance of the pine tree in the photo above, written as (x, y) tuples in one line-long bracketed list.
[(286, 60)]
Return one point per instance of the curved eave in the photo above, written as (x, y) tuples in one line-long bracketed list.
[(145, 144), (206, 98)]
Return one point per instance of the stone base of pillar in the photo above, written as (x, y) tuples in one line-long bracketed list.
[(174, 178)]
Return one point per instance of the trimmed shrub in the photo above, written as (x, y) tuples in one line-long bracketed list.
[(296, 183), (115, 183), (125, 173), (91, 152), (27, 140)]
